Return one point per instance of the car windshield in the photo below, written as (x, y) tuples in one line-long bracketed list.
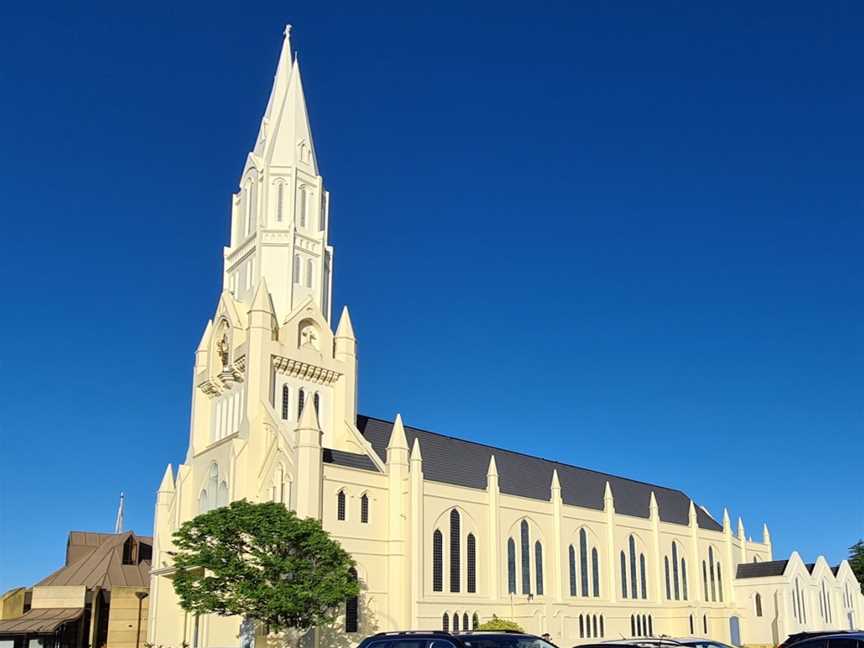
[(504, 640)]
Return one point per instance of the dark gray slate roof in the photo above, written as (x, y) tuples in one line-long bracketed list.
[(761, 569), (349, 459), (465, 463)]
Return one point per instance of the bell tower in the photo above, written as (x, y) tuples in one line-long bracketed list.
[(279, 215)]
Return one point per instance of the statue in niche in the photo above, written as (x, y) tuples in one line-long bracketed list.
[(222, 350), (309, 337)]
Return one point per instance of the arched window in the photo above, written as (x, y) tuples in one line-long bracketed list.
[(758, 602), (475, 621), (711, 573), (632, 625), (526, 558), (581, 627), (465, 621), (297, 278), (719, 583), (538, 566), (511, 566), (705, 624), (202, 501), (638, 626), (675, 580), (595, 571), (251, 202), (454, 554), (705, 580), (594, 625), (285, 401), (455, 622), (280, 200), (692, 626), (445, 623), (301, 401), (684, 578), (352, 616), (602, 629), (623, 575), (583, 561), (317, 401), (438, 562), (340, 505), (222, 499), (301, 206), (572, 555), (364, 509), (643, 577), (309, 272), (634, 589), (650, 625), (471, 546)]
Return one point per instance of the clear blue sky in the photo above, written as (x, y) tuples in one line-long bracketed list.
[(625, 237)]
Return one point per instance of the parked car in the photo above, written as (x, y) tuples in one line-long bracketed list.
[(800, 636), (465, 639), (834, 639)]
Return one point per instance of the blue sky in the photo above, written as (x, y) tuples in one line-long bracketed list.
[(622, 236)]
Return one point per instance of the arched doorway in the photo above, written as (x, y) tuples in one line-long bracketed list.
[(734, 631)]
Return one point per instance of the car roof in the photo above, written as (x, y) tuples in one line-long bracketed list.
[(835, 634)]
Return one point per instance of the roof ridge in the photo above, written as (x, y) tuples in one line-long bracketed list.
[(525, 454)]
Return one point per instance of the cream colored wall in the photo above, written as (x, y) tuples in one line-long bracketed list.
[(123, 619), (12, 603), (71, 596)]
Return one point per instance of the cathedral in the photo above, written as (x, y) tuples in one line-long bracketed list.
[(446, 532)]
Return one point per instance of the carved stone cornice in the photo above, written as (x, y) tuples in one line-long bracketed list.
[(213, 386), (305, 370)]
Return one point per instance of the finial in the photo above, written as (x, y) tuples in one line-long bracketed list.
[(288, 30), (415, 451), (492, 471), (397, 435)]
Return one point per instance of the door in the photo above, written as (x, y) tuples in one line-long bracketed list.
[(734, 631)]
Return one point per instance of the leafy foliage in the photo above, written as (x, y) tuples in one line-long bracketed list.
[(856, 561), (262, 562), (499, 624)]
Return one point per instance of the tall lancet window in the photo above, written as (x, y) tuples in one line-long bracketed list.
[(511, 566), (301, 401), (309, 272), (437, 561), (526, 558), (301, 206), (296, 268), (251, 202), (280, 200), (471, 547), (455, 566), (538, 566), (286, 399), (583, 560)]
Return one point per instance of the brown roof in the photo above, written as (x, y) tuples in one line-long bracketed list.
[(40, 621), (101, 565)]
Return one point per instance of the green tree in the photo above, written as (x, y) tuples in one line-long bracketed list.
[(500, 624), (262, 562), (856, 561)]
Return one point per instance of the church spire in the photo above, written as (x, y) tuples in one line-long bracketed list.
[(280, 213)]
